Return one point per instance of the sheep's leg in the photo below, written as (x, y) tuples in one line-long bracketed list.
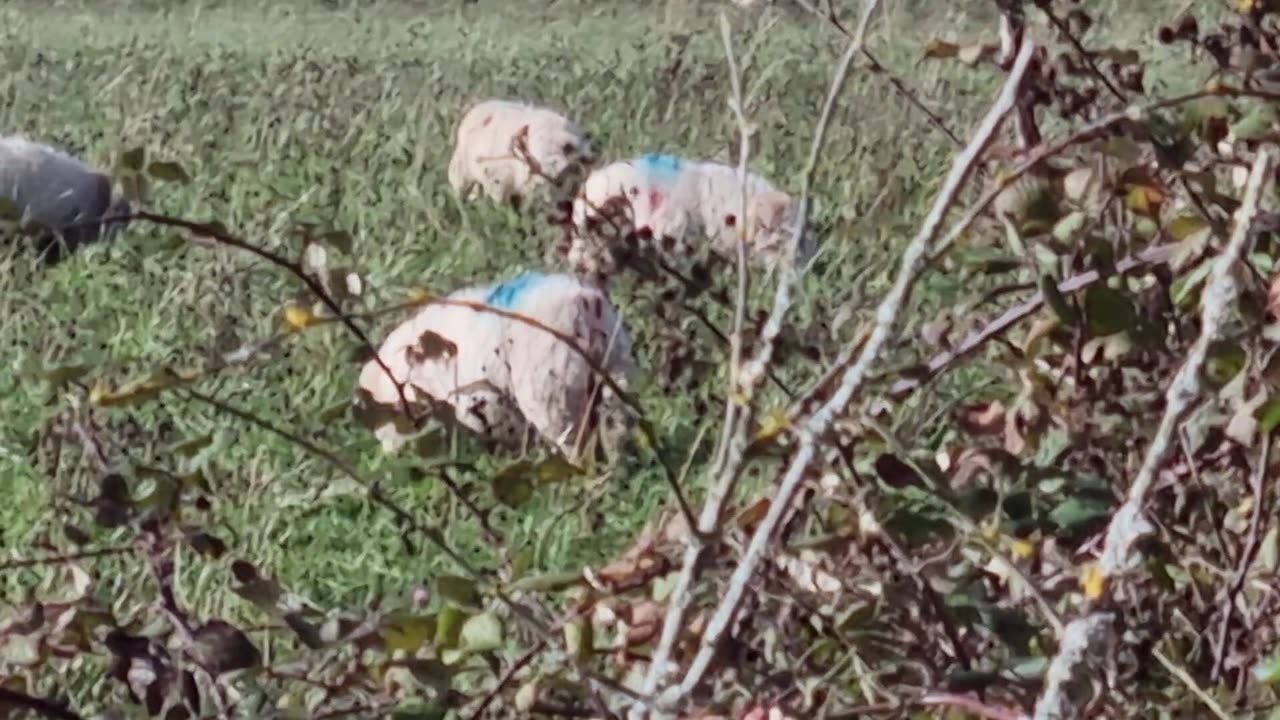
[(51, 247)]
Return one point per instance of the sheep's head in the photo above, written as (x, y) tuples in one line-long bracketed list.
[(771, 217), (555, 159), (605, 198)]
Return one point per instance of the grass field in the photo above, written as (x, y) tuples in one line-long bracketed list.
[(284, 113)]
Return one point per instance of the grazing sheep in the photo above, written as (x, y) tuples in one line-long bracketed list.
[(485, 158), (501, 373), (677, 201), (58, 191)]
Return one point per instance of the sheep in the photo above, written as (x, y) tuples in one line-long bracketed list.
[(677, 201), (60, 193), (553, 151), (500, 374), (462, 377)]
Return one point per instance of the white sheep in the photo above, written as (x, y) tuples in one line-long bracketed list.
[(485, 159), (502, 373), (679, 202), (60, 193)]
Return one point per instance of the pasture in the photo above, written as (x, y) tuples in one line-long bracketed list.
[(345, 119), (341, 116)]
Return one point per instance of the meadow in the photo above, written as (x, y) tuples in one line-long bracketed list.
[(339, 117), (344, 119)]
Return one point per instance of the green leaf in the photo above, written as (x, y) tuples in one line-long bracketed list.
[(1193, 234), (60, 375), (961, 681), (1208, 108), (1144, 200), (1028, 668), (221, 647), (1122, 148), (1269, 553), (1079, 511), (1268, 415), (579, 639), (407, 631), (482, 632), (134, 159), (419, 710), (133, 392), (23, 651), (168, 172), (309, 634), (554, 469), (1225, 360), (1256, 123), (1183, 226), (458, 590), (206, 544), (161, 498), (1268, 671), (449, 626), (550, 582), (338, 239), (431, 673), (1108, 311), (1014, 237), (265, 593), (292, 706), (188, 448), (1184, 287), (1068, 227), (513, 485)]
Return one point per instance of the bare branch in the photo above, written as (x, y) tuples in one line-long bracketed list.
[(914, 261), (733, 407), (12, 699), (738, 413), (1081, 646)]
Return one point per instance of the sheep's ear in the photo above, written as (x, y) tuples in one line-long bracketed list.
[(771, 208)]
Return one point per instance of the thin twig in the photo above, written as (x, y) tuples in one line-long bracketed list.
[(1155, 255), (1258, 485), (521, 663), (1084, 54), (12, 699), (731, 449), (1185, 678), (968, 704), (878, 68)]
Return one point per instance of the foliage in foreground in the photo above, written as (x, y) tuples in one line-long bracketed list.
[(938, 544)]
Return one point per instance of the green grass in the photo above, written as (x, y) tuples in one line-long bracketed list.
[(286, 112)]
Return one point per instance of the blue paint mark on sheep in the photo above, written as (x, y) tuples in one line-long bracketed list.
[(660, 166), (507, 294)]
